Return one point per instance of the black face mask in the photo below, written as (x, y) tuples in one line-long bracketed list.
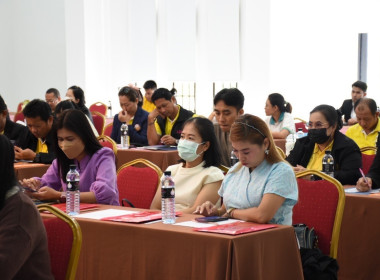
[(318, 136)]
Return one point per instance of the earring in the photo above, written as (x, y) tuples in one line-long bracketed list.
[(266, 152)]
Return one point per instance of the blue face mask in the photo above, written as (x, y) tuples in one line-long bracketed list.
[(187, 150)]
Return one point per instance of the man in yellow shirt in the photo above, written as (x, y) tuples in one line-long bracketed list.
[(366, 131), (149, 86), (166, 121), (39, 119)]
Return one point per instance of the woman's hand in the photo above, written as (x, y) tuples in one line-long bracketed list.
[(124, 117), (47, 193), (168, 140), (299, 168), (31, 183), (362, 186), (206, 209)]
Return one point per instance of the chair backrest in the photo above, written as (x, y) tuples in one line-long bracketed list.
[(19, 116), (99, 121), (367, 162), (64, 242), (369, 148), (138, 184), (108, 129), (99, 107), (281, 152), (224, 169), (300, 123), (106, 141), (320, 205)]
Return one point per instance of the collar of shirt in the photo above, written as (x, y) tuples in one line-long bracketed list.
[(280, 119), (375, 130)]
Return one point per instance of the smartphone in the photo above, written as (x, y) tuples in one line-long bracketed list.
[(210, 219), (28, 189)]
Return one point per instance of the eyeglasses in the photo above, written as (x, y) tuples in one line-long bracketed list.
[(317, 125), (251, 126)]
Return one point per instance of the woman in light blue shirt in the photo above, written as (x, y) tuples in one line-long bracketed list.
[(262, 187)]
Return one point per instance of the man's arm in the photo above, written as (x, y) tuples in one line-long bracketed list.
[(153, 136)]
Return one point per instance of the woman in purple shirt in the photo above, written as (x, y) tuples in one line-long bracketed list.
[(77, 144)]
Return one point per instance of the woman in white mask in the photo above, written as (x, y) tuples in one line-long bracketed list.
[(77, 144), (197, 178)]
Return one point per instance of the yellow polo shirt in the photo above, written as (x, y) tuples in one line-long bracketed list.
[(148, 106), (169, 124), (41, 146), (362, 139), (315, 161)]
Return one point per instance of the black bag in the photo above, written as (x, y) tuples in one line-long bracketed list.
[(317, 266), (306, 237)]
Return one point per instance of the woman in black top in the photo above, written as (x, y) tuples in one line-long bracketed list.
[(324, 125), (76, 94)]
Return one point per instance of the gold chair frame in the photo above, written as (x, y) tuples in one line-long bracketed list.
[(77, 238), (300, 120), (339, 208), (368, 148), (105, 127), (102, 104), (281, 152), (108, 139)]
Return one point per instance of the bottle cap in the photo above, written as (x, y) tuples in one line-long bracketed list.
[(328, 152), (167, 173), (73, 166)]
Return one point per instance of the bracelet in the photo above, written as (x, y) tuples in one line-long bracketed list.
[(229, 212), (219, 211)]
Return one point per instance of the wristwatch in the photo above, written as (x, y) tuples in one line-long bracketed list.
[(229, 212)]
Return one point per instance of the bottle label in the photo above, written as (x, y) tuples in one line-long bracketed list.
[(72, 186), (167, 192), (327, 167)]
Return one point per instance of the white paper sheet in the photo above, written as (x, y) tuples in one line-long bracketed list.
[(97, 215), (354, 190), (196, 224)]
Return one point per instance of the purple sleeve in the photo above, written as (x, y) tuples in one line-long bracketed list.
[(51, 177), (105, 185)]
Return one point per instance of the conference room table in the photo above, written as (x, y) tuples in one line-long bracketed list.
[(359, 242), (162, 159), (25, 170), (113, 250)]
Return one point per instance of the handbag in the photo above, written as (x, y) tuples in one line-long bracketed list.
[(306, 236)]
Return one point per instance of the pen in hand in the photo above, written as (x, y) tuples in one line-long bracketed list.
[(364, 178)]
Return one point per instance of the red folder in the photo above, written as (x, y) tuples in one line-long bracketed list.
[(236, 228), (82, 206)]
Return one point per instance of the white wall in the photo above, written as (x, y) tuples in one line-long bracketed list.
[(305, 50), (32, 49)]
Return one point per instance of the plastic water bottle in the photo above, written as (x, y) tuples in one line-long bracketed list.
[(328, 164), (124, 136), (72, 191), (233, 159), (300, 133), (167, 198)]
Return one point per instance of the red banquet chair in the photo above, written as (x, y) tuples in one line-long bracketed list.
[(99, 107), (300, 123), (106, 141), (19, 116), (320, 205), (108, 129), (64, 242), (367, 159), (137, 185), (99, 122)]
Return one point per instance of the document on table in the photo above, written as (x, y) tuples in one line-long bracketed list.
[(98, 215), (195, 224), (355, 191)]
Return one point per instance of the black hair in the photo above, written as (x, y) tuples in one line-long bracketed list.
[(7, 172), (132, 94), (78, 94), (205, 129), (3, 106), (54, 91), (37, 108), (77, 122), (361, 85), (64, 105), (163, 93), (150, 84), (369, 102), (278, 100), (333, 117), (231, 97)]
